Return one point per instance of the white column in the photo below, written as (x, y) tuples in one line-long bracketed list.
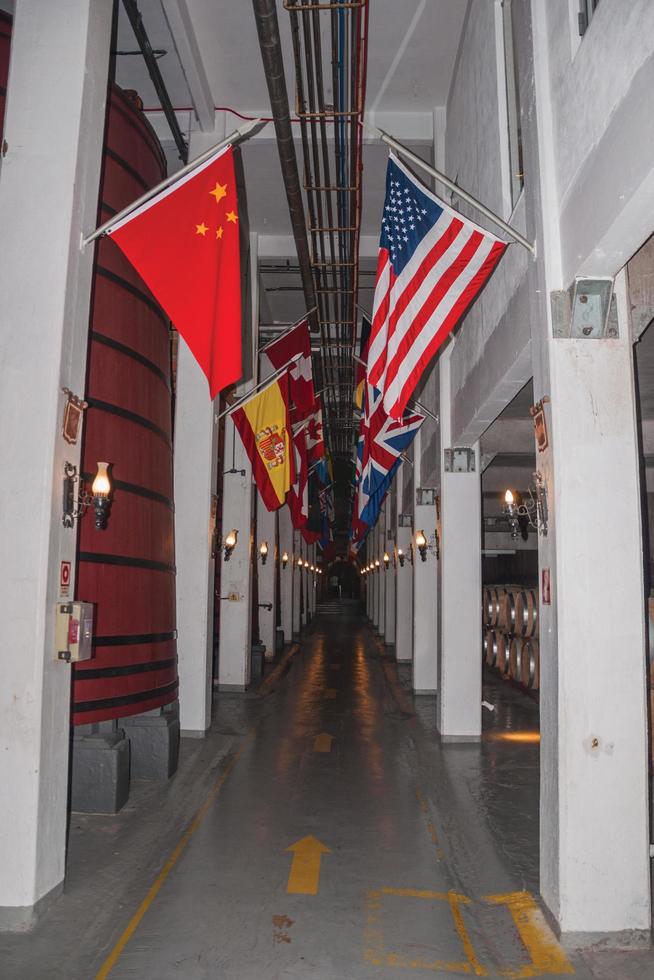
[(297, 585), (459, 666), (195, 466), (234, 651), (286, 574), (381, 575), (369, 589), (235, 647), (425, 590), (404, 600), (314, 582), (374, 578), (48, 198), (267, 531), (390, 579), (594, 756)]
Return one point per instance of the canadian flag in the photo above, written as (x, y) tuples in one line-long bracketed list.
[(295, 343), (298, 495)]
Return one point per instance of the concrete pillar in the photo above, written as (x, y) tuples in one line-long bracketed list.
[(286, 574), (459, 664), (314, 581), (48, 198), (390, 578), (381, 576), (267, 531), (425, 587), (594, 758), (297, 585), (374, 579), (236, 573), (404, 600), (234, 652), (195, 466)]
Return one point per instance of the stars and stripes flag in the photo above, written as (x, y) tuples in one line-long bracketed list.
[(432, 264)]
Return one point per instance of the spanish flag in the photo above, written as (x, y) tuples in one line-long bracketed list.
[(264, 425)]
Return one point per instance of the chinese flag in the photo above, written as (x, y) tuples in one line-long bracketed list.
[(264, 425), (184, 243)]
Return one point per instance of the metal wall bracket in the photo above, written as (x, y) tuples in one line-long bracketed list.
[(425, 496), (459, 460), (586, 311)]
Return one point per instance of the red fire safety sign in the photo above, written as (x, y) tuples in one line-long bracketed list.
[(64, 578)]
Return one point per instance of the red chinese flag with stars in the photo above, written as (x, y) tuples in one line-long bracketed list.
[(184, 243)]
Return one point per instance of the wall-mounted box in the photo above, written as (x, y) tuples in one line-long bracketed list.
[(73, 631)]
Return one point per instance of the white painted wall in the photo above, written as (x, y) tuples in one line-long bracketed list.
[(267, 575), (48, 200), (286, 574)]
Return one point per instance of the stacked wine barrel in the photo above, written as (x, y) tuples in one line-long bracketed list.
[(510, 633)]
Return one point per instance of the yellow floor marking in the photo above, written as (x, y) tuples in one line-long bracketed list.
[(304, 876), (431, 828), (455, 905), (375, 953), (330, 694), (323, 742), (155, 888), (547, 956)]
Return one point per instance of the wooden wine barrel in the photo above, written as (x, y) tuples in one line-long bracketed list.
[(490, 647), (526, 613), (502, 661), (530, 664), (487, 606), (506, 615), (128, 569), (515, 658), (5, 42)]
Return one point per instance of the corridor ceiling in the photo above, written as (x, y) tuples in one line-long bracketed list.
[(212, 60)]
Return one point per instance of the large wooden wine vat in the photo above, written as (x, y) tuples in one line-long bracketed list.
[(128, 569)]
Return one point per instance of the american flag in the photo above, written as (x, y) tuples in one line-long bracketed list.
[(432, 264)]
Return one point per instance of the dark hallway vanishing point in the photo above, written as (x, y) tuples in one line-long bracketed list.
[(320, 832)]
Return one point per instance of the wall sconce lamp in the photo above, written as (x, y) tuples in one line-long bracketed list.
[(311, 568), (377, 564), (387, 560), (263, 551), (421, 544), (529, 513), (230, 543), (401, 557), (285, 559), (99, 498)]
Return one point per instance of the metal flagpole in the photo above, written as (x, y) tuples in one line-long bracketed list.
[(442, 179), (262, 384), (241, 133), (262, 350)]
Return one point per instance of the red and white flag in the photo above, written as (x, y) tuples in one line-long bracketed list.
[(184, 243), (432, 264), (315, 437), (298, 496), (296, 342)]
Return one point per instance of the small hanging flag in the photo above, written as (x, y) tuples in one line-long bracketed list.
[(263, 423)]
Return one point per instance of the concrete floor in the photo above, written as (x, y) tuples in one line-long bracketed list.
[(426, 862)]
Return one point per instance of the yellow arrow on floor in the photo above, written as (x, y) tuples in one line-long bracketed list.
[(304, 876), (323, 742)]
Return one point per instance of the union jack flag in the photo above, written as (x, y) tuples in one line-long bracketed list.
[(432, 264), (382, 441)]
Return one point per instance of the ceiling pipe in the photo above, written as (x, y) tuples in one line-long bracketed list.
[(265, 14)]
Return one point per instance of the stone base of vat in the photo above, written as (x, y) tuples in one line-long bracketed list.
[(154, 742), (100, 769)]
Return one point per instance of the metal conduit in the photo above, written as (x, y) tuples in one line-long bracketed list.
[(265, 14)]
